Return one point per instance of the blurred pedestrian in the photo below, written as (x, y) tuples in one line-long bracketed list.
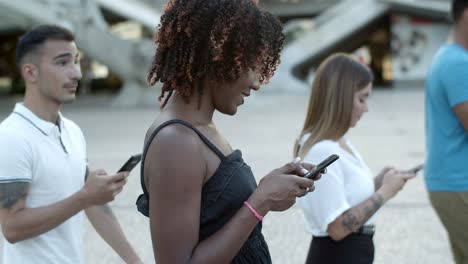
[(446, 170)]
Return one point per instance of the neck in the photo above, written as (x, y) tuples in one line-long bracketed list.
[(198, 115), (460, 37), (42, 107)]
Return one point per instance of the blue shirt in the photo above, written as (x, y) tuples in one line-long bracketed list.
[(446, 166)]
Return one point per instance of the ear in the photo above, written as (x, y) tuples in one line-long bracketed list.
[(30, 72)]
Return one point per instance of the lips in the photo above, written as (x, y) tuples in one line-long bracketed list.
[(70, 85)]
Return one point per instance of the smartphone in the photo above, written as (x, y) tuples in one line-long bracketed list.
[(416, 169), (323, 165), (131, 163)]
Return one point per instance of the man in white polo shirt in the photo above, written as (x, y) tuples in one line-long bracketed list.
[(45, 184)]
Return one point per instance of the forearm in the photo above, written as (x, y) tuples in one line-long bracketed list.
[(223, 246), (30, 222), (355, 217), (220, 247), (378, 182), (104, 221)]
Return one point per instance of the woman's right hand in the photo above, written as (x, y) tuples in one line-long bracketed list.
[(393, 181), (278, 190)]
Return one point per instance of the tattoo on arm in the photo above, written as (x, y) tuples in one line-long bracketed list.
[(106, 208), (12, 192), (350, 221), (354, 219)]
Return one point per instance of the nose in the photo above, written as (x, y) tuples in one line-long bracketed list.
[(75, 73)]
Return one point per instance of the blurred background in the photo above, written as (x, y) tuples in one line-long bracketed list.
[(397, 38)]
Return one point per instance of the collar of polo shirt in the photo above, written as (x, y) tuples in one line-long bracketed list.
[(44, 126)]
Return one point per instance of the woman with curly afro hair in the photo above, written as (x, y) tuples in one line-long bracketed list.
[(201, 197)]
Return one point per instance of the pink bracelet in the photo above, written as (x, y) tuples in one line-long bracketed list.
[(257, 215)]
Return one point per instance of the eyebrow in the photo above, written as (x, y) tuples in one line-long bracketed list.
[(64, 55)]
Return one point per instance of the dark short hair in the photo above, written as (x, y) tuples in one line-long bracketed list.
[(32, 40), (458, 7)]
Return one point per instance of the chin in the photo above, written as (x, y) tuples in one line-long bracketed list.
[(68, 99), (231, 113), (228, 111)]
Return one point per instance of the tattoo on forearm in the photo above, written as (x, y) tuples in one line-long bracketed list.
[(354, 220), (350, 221), (12, 192), (106, 208)]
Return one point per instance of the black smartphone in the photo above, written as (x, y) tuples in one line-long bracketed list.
[(416, 169), (131, 163), (323, 165)]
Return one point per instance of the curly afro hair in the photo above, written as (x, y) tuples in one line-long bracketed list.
[(214, 39)]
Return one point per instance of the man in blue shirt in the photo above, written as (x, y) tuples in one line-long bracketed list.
[(446, 171)]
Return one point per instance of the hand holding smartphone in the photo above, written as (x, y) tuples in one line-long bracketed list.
[(131, 163), (322, 166)]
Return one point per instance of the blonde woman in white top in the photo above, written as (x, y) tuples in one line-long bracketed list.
[(339, 213)]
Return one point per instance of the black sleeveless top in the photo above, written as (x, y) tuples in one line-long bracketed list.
[(222, 196)]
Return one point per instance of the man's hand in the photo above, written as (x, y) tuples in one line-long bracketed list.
[(101, 188)]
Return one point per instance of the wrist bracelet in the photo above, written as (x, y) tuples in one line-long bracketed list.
[(255, 213)]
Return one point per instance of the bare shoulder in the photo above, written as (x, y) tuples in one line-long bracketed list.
[(174, 136), (175, 155)]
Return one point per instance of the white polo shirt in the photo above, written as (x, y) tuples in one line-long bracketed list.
[(347, 183), (53, 159)]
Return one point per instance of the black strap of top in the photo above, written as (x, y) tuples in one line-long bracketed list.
[(150, 139)]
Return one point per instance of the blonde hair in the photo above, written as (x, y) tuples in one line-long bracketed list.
[(331, 100)]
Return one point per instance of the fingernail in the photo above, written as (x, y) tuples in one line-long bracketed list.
[(304, 171), (297, 159)]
